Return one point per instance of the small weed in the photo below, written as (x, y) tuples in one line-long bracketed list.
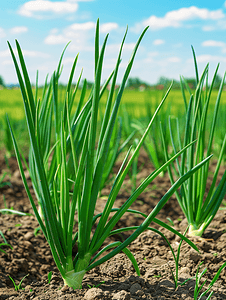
[(140, 202), (50, 276), (170, 221), (36, 231), (95, 286), (5, 244), (18, 287), (2, 177), (153, 196), (157, 276)]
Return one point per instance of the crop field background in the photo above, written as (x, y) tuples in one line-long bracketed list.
[(135, 105), (137, 102)]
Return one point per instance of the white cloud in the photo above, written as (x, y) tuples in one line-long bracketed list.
[(178, 45), (174, 59), (126, 47), (175, 18), (206, 58), (104, 28), (211, 43), (2, 33), (208, 28), (36, 8), (27, 53), (74, 33), (79, 48), (54, 31), (110, 64), (69, 60), (158, 42), (35, 54), (129, 46), (7, 62), (151, 56), (18, 29), (54, 39), (107, 27), (79, 34), (81, 26), (4, 53), (79, 1)]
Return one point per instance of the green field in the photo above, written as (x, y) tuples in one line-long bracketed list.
[(137, 103), (136, 106)]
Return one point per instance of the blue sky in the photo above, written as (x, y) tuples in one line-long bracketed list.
[(43, 28)]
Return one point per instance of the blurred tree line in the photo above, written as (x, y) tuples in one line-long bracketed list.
[(190, 81), (164, 82), (137, 83)]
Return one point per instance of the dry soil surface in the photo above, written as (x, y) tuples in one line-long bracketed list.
[(115, 279)]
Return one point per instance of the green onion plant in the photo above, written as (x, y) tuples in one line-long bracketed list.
[(127, 122), (67, 188), (134, 168), (48, 113), (116, 147), (7, 139), (152, 144), (176, 260), (198, 204)]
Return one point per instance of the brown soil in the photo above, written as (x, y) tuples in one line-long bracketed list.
[(115, 279)]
